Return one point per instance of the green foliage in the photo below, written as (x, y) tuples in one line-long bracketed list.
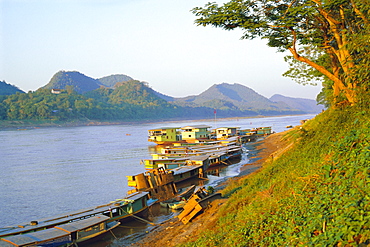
[(76, 80), (328, 39), (236, 100), (110, 81), (7, 89), (130, 100), (315, 194)]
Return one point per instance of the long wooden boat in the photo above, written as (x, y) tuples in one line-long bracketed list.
[(169, 154), (118, 210), (63, 235)]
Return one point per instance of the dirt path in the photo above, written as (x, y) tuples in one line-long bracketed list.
[(173, 232)]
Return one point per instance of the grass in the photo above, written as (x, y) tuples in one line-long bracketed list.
[(316, 194)]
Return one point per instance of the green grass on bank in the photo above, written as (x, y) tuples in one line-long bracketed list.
[(315, 194)]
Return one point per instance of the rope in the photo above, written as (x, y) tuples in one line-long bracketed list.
[(113, 233), (139, 218), (224, 163), (154, 224)]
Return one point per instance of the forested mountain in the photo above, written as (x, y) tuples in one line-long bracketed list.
[(111, 80), (128, 93), (118, 97), (80, 82), (306, 105), (229, 99), (234, 97), (129, 101), (7, 89)]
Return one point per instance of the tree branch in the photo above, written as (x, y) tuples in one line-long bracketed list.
[(359, 13)]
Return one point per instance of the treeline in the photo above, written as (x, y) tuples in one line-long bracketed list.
[(131, 100), (101, 104), (8, 89)]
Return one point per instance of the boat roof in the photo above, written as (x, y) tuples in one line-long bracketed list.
[(200, 152), (181, 158), (55, 232), (228, 128), (164, 128), (199, 126), (136, 195), (198, 158), (82, 224), (34, 237), (184, 169)]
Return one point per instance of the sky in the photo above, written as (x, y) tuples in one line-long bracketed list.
[(155, 41)]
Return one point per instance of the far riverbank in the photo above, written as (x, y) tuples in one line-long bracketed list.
[(32, 124)]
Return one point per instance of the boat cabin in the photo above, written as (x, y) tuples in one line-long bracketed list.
[(226, 132), (195, 133), (164, 135), (262, 131)]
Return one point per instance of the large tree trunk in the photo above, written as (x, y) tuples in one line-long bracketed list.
[(338, 86)]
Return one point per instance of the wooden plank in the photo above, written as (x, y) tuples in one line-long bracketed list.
[(194, 212), (189, 206)]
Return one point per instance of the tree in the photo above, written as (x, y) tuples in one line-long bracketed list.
[(325, 36)]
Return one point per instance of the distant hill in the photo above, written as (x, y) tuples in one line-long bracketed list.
[(118, 97), (8, 89), (234, 97), (306, 105), (111, 80), (80, 82), (163, 96)]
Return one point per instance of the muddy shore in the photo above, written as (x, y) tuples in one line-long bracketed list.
[(173, 232)]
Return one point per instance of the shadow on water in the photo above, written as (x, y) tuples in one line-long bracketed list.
[(129, 233)]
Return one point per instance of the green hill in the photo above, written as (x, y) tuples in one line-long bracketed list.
[(236, 97), (315, 192), (306, 105), (80, 82), (117, 97), (130, 92), (7, 89), (229, 99), (111, 80)]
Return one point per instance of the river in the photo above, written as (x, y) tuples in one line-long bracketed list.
[(49, 171)]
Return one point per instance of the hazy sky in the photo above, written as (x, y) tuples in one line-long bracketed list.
[(155, 41)]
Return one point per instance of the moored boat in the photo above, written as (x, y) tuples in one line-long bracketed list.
[(63, 235), (122, 209)]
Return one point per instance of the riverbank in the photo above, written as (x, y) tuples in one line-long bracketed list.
[(173, 232)]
